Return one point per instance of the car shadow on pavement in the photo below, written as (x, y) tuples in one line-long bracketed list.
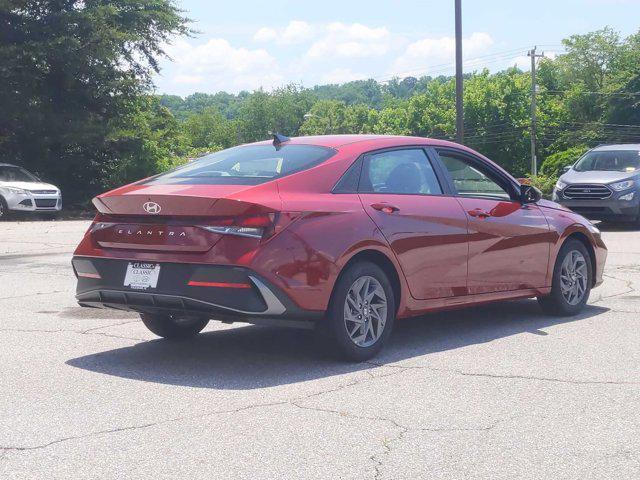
[(252, 357)]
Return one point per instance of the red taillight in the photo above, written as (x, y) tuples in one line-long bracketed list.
[(89, 275), (85, 268), (263, 221), (260, 226)]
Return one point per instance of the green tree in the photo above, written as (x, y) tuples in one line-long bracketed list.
[(589, 58), (623, 104), (146, 141), (554, 163), (208, 129), (325, 117), (68, 71), (497, 117)]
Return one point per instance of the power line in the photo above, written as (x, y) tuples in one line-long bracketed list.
[(429, 69), (591, 93), (610, 130)]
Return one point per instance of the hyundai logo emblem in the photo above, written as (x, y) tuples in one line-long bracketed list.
[(152, 207)]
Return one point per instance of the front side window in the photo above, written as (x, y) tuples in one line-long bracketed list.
[(469, 180), (246, 165), (609, 160), (9, 173), (406, 171)]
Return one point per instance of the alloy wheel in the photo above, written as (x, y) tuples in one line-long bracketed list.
[(365, 311), (574, 275)]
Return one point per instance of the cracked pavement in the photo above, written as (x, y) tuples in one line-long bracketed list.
[(499, 391)]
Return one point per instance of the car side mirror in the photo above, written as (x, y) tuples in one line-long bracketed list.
[(529, 194), (566, 168)]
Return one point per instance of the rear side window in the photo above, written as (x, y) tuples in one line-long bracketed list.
[(348, 183), (406, 171), (246, 165)]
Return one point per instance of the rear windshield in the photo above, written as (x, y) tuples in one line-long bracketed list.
[(9, 173), (610, 160), (246, 165)]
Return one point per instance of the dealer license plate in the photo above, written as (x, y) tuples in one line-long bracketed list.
[(141, 276)]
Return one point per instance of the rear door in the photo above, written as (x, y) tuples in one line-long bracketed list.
[(509, 243), (404, 195)]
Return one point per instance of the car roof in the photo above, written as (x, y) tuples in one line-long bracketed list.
[(337, 141), (363, 143), (618, 146)]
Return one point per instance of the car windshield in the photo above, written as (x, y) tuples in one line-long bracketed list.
[(609, 160), (246, 165), (9, 173)]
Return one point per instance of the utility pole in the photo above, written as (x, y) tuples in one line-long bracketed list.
[(459, 79), (534, 161)]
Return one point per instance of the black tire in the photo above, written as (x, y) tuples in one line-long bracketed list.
[(173, 328), (556, 303), (4, 209), (334, 327)]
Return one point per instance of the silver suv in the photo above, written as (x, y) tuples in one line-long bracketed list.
[(22, 191), (604, 184)]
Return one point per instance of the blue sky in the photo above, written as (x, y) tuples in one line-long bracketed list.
[(246, 45)]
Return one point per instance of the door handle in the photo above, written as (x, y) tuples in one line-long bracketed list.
[(384, 207), (478, 213)]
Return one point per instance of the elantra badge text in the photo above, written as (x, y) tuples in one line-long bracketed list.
[(159, 233)]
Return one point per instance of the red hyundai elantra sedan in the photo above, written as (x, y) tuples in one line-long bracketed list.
[(340, 233)]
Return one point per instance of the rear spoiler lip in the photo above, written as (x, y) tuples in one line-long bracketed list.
[(132, 205), (100, 205)]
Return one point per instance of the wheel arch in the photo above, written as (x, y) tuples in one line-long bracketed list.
[(385, 263)]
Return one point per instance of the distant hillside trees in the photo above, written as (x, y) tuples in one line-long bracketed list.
[(75, 88), (74, 83)]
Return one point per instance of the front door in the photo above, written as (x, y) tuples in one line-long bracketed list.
[(427, 230), (509, 243)]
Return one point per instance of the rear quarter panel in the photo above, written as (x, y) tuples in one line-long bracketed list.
[(307, 257)]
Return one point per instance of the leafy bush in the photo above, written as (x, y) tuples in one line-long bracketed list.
[(544, 183), (553, 164)]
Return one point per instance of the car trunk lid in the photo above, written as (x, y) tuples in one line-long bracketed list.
[(174, 217)]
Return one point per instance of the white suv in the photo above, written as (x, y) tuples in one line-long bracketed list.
[(21, 191)]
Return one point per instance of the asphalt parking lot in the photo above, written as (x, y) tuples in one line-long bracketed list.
[(494, 392)]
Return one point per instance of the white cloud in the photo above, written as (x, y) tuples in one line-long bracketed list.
[(341, 75), (297, 31), (188, 79), (313, 54), (217, 65), (522, 62), (265, 34), (351, 41), (422, 54)]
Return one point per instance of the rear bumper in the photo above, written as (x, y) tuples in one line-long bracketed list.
[(218, 292)]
